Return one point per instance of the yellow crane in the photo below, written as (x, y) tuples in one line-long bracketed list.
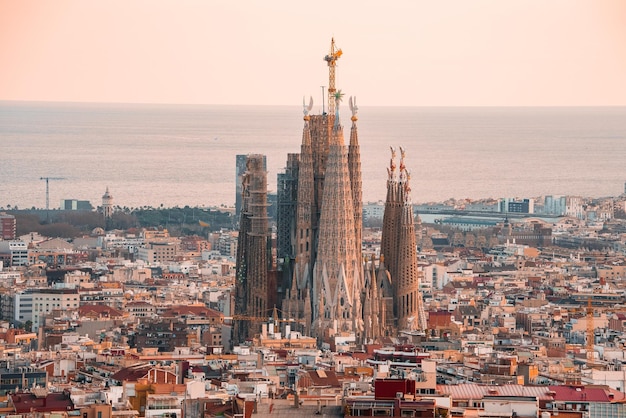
[(331, 59), (274, 318)]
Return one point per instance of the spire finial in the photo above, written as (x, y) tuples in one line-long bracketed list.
[(353, 108)]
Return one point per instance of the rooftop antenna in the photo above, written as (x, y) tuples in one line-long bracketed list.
[(323, 104)]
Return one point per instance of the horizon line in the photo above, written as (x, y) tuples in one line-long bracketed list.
[(61, 102)]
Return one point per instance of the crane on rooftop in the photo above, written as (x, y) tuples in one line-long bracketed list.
[(47, 179), (331, 59)]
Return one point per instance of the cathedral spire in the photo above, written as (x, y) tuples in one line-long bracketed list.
[(400, 248)]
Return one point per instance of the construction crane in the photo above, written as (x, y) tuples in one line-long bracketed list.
[(331, 59), (274, 318), (47, 179)]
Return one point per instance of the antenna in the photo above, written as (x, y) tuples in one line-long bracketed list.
[(323, 104)]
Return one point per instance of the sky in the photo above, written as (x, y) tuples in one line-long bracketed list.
[(395, 53)]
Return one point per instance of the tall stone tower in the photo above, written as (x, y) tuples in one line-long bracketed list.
[(337, 282), (255, 286), (324, 293), (107, 204), (399, 249)]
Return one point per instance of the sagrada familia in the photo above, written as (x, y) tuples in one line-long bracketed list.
[(316, 275)]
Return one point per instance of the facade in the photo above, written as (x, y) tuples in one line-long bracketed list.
[(373, 213), (22, 306), (13, 379), (14, 253), (44, 301), (74, 204), (8, 227), (158, 252), (555, 205), (517, 206)]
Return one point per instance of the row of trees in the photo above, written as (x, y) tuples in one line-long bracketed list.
[(71, 224)]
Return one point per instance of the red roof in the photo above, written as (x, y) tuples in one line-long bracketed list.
[(579, 394), (99, 310), (132, 373), (24, 402), (322, 378)]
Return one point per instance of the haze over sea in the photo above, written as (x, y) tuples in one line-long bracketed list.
[(179, 155)]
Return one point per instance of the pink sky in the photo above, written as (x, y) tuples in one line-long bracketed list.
[(427, 53)]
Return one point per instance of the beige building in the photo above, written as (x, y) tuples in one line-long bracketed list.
[(47, 300), (158, 252)]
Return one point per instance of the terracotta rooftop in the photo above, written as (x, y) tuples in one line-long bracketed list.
[(24, 402), (100, 310), (132, 373)]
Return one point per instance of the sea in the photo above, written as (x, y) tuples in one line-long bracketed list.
[(179, 155)]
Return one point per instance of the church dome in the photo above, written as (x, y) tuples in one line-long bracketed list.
[(107, 195)]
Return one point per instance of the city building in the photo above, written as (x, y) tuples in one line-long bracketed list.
[(517, 206), (44, 301), (74, 204), (8, 227), (14, 253)]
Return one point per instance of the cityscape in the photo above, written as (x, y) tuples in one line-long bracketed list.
[(311, 301)]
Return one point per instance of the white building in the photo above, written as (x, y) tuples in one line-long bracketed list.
[(435, 276), (574, 207), (555, 205), (373, 212), (18, 251), (23, 306)]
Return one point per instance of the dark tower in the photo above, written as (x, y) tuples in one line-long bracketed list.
[(399, 249), (255, 288)]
